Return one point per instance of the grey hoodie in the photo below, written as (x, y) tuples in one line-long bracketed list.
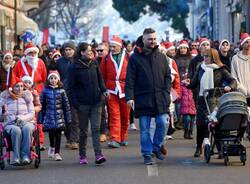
[(240, 70)]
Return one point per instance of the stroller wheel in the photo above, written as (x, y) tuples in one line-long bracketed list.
[(2, 164), (226, 160), (37, 162), (207, 153)]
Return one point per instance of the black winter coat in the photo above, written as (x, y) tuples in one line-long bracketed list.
[(55, 108), (86, 83), (62, 66), (148, 83)]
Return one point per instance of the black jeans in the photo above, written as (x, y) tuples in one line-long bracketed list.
[(72, 129), (131, 116), (55, 139), (202, 132), (104, 119), (92, 113)]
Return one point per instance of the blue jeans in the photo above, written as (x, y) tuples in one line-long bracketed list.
[(21, 139), (147, 146)]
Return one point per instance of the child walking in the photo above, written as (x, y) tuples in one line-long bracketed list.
[(55, 112)]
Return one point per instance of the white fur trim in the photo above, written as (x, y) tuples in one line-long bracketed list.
[(243, 41), (30, 50), (115, 42), (8, 54), (55, 74), (222, 41), (203, 43), (183, 45), (172, 47)]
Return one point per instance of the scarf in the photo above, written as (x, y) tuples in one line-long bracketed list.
[(207, 79)]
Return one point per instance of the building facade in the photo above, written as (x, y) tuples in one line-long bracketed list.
[(13, 21), (219, 19)]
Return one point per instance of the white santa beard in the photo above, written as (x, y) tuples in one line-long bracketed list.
[(33, 63)]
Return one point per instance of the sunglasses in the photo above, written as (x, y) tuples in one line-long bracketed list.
[(99, 50), (7, 57)]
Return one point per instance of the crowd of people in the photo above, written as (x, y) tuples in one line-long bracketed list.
[(107, 85)]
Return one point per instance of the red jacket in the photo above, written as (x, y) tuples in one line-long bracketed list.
[(176, 81), (114, 76), (40, 75)]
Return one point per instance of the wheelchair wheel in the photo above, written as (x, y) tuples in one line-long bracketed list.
[(37, 146), (207, 153)]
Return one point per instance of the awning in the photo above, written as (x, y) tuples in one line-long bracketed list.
[(25, 23)]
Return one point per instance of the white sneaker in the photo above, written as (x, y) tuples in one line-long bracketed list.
[(58, 157), (169, 137), (132, 126), (51, 152)]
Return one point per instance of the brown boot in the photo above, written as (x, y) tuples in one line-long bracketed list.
[(103, 138), (163, 150), (74, 146)]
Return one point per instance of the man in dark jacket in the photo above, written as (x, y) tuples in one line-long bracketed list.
[(147, 90), (62, 65)]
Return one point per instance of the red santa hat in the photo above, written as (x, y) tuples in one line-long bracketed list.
[(223, 41), (15, 81), (54, 73), (55, 52), (27, 78), (243, 38), (30, 47), (116, 40), (183, 43), (202, 41), (168, 45), (7, 53)]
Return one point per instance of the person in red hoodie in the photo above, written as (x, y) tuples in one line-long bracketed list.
[(31, 65)]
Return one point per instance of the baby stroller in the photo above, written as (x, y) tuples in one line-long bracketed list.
[(6, 148), (227, 132)]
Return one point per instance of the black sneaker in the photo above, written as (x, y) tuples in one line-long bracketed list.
[(158, 155), (148, 160), (99, 159), (197, 152)]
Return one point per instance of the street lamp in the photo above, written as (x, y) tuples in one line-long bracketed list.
[(15, 21)]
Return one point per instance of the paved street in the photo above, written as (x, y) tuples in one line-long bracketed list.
[(125, 166)]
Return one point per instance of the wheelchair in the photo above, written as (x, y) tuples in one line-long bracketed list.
[(6, 148)]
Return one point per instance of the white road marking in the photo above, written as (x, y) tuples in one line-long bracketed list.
[(152, 170)]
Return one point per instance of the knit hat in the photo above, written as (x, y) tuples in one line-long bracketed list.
[(55, 52), (243, 38), (27, 78), (202, 41), (223, 41), (116, 40), (30, 47), (7, 53), (183, 43), (168, 45), (69, 44), (54, 73)]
